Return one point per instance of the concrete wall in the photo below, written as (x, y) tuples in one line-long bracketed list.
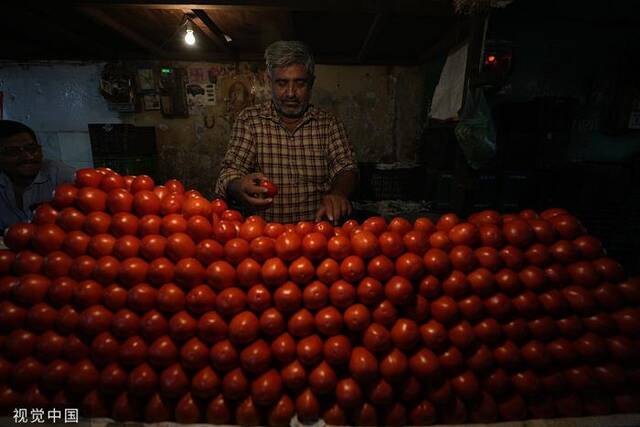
[(380, 106)]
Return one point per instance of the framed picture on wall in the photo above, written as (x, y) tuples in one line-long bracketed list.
[(151, 101), (146, 80)]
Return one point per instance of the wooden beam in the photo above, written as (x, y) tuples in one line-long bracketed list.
[(372, 34), (123, 30), (413, 7), (203, 19)]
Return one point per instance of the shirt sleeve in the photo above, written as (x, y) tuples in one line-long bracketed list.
[(240, 158), (340, 152)]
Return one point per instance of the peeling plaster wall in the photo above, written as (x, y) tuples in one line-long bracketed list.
[(380, 106)]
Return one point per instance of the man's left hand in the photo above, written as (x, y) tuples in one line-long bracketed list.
[(334, 207)]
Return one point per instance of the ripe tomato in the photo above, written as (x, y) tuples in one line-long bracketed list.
[(424, 224), (416, 241), (224, 231), (171, 203), (88, 177), (71, 219), (124, 223), (101, 245), (447, 221), (64, 195), (126, 247), (249, 271), (189, 272), (250, 230), (464, 234), (196, 206), (119, 200), (47, 238), (142, 183), (365, 244), (410, 266), (301, 270), (288, 246), (271, 188), (314, 246), (376, 225), (45, 214), (146, 202), (90, 199), (180, 245), (96, 223), (339, 247), (220, 275)]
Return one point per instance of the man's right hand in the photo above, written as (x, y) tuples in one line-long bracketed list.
[(247, 190)]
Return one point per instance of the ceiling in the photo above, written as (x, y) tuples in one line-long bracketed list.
[(341, 32)]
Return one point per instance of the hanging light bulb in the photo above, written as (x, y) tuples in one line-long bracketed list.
[(189, 37)]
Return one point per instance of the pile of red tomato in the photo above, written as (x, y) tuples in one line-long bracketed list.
[(142, 302)]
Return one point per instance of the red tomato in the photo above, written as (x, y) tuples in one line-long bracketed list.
[(543, 230), (124, 223), (415, 241), (64, 195), (376, 225), (339, 247), (447, 221), (170, 204), (180, 245), (45, 214), (271, 188), (47, 238), (424, 224), (174, 186), (464, 234), (142, 183), (288, 246), (119, 200), (112, 181), (209, 250), (567, 226), (365, 244), (96, 223), (314, 246), (18, 235), (91, 199), (221, 275), (391, 243), (88, 177), (224, 231), (437, 262), (589, 247), (250, 230), (399, 291), (145, 202), (410, 266), (518, 233), (273, 230), (491, 235), (352, 268), (196, 206), (71, 219), (274, 272), (301, 270), (126, 247), (249, 272), (31, 289)]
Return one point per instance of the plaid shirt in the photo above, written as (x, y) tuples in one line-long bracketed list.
[(302, 163)]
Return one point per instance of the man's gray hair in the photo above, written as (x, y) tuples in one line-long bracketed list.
[(288, 52)]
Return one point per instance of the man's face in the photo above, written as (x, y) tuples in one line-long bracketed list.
[(291, 90), (20, 156)]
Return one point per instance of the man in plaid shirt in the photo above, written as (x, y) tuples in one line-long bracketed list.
[(300, 148)]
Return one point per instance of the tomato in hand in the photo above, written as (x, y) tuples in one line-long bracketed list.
[(271, 188)]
